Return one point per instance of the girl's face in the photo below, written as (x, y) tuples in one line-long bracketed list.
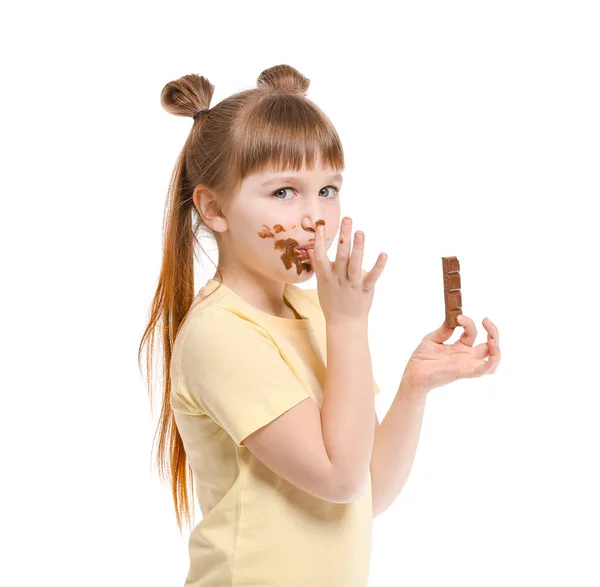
[(272, 216)]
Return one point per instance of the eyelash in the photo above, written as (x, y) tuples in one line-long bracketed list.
[(337, 192)]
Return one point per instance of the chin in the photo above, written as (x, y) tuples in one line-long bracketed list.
[(305, 274)]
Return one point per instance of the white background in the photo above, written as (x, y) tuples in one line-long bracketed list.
[(469, 128)]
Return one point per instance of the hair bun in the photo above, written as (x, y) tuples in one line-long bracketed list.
[(283, 78), (186, 95)]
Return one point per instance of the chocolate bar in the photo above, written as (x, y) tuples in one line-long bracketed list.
[(452, 295)]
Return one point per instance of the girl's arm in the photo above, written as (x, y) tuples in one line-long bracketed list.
[(395, 445), (326, 452), (348, 409)]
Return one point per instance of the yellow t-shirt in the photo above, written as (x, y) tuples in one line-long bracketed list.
[(234, 369)]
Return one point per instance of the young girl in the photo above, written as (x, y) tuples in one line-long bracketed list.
[(268, 400)]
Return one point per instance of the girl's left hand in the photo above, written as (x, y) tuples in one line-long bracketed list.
[(434, 364)]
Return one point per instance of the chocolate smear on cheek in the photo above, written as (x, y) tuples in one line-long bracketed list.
[(289, 256)]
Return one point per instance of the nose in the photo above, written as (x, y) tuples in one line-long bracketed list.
[(311, 226), (313, 230)]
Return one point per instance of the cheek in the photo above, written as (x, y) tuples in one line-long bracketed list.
[(273, 233), (333, 228), (280, 240), (277, 238)]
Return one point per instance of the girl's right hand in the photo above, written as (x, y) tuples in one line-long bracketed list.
[(345, 290)]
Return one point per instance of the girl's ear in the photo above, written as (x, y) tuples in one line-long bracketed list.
[(209, 209)]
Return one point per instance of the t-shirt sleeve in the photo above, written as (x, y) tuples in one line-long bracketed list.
[(235, 373)]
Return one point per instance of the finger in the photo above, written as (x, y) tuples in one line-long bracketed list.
[(442, 334), (495, 356), (492, 330), (373, 275), (493, 344), (470, 332), (484, 368), (488, 367), (343, 250), (482, 350), (356, 259), (486, 349), (311, 258), (319, 257)]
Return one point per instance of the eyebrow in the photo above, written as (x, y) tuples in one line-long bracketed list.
[(297, 179)]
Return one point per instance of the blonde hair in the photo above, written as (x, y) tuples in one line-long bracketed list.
[(273, 126)]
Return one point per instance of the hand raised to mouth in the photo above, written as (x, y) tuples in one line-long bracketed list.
[(345, 290)]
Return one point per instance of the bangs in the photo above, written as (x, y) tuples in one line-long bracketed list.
[(285, 132)]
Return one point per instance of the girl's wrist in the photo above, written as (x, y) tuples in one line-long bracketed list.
[(410, 387)]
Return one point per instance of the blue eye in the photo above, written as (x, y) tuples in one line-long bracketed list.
[(336, 192)]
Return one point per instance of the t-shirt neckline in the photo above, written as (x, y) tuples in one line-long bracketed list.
[(277, 321)]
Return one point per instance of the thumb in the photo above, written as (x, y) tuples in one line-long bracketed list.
[(443, 333)]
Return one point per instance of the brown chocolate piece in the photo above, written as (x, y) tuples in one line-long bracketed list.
[(452, 294)]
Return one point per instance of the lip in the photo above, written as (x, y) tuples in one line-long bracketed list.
[(307, 246)]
